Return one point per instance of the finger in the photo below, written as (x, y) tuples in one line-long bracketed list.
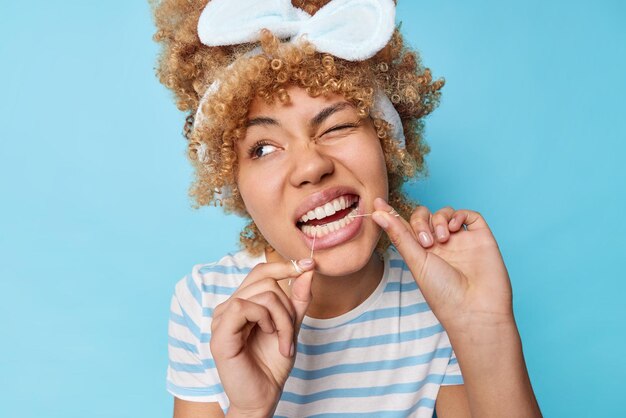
[(469, 218), (267, 285), (420, 223), (385, 206), (301, 297), (277, 271), (231, 327), (455, 223), (280, 316), (401, 236), (440, 221)]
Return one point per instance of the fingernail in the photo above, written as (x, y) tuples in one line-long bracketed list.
[(292, 350), (440, 231), (425, 238), (380, 219), (306, 263), (380, 201)]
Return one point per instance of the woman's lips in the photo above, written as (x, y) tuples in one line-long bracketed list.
[(316, 205), (336, 237)]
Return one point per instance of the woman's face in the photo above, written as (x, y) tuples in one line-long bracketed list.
[(303, 169)]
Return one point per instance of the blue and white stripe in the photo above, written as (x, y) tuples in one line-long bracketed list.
[(386, 358)]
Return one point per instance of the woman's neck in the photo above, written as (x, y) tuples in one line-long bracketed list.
[(336, 295)]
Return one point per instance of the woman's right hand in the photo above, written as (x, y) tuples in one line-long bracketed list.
[(254, 336)]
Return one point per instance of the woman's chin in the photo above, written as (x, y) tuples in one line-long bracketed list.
[(339, 254), (343, 260)]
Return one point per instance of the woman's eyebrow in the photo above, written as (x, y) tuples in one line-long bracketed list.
[(314, 122), (326, 112), (262, 120)]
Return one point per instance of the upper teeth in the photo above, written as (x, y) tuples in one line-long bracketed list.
[(329, 208)]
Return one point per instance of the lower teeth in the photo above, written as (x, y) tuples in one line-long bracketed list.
[(321, 230)]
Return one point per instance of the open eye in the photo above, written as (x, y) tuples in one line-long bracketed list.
[(261, 149)]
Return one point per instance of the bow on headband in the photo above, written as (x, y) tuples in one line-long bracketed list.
[(353, 30), (350, 29)]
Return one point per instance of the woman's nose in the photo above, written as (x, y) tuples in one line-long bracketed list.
[(310, 164)]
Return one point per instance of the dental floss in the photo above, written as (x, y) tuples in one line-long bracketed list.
[(391, 212), (313, 245)]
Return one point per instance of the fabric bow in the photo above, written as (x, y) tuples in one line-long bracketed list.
[(350, 29), (353, 30)]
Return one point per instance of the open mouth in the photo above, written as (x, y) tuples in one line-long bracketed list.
[(329, 217)]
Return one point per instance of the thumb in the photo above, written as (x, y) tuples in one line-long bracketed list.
[(401, 236), (437, 279), (301, 297)]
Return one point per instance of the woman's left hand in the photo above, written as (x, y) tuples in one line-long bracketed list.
[(459, 271)]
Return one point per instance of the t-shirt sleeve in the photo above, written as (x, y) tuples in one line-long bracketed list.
[(191, 372), (453, 374)]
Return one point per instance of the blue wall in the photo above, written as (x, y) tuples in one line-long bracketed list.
[(96, 226)]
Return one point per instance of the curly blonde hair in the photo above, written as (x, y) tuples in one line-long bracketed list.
[(188, 68)]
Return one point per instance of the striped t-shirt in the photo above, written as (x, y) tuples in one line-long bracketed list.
[(385, 358)]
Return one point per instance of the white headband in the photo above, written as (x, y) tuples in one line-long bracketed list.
[(353, 30)]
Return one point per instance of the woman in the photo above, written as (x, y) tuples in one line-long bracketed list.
[(307, 120)]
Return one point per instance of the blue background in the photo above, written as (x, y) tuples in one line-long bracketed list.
[(96, 226)]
